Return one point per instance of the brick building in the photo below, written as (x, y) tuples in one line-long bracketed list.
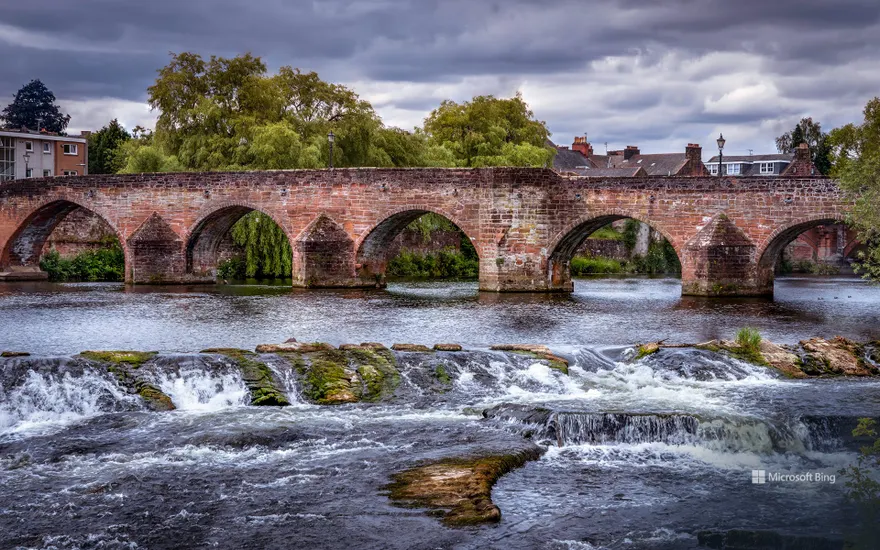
[(29, 154)]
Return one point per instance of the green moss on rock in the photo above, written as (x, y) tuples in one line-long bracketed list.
[(258, 377), (441, 375), (155, 398), (14, 354), (133, 358), (459, 488)]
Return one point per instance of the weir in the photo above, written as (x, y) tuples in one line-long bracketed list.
[(525, 223)]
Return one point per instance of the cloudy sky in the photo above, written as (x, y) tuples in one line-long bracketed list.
[(627, 72)]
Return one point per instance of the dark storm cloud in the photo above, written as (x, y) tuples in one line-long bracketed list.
[(92, 49)]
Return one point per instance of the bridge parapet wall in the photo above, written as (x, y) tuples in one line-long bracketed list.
[(524, 223)]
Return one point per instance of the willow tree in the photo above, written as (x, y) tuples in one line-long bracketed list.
[(266, 249), (856, 150)]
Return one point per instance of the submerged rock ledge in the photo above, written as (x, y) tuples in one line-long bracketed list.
[(459, 489), (812, 358)]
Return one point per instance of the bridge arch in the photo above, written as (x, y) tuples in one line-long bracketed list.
[(25, 246), (771, 248), (204, 239), (568, 241), (372, 256)]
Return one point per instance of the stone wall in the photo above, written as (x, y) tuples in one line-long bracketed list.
[(525, 223)]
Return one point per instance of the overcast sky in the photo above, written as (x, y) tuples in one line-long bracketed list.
[(659, 77)]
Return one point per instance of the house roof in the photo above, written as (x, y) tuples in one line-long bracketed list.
[(9, 132), (782, 157), (622, 172), (566, 160), (662, 164)]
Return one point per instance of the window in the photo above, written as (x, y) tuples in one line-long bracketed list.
[(733, 169), (47, 148), (713, 169), (28, 146), (70, 148), (29, 173), (7, 159), (47, 173), (768, 168), (69, 172)]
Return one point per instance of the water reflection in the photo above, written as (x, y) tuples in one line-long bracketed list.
[(50, 318)]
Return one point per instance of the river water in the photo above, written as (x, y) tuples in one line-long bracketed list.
[(652, 453)]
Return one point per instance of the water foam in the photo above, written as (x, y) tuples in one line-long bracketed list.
[(193, 389)]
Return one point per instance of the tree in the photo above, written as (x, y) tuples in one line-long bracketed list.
[(856, 150), (103, 145), (34, 107), (488, 131), (809, 132)]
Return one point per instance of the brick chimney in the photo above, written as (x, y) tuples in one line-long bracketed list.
[(694, 154), (802, 165), (580, 144), (630, 152)]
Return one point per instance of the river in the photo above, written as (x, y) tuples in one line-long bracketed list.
[(655, 453)]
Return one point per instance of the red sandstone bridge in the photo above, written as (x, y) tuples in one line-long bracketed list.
[(524, 223)]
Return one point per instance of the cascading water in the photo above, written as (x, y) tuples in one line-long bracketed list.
[(37, 393), (674, 435)]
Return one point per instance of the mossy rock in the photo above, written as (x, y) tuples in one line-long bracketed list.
[(155, 398), (132, 358), (378, 373), (447, 347), (442, 376), (8, 354), (460, 489), (646, 350), (258, 377), (418, 348), (329, 380)]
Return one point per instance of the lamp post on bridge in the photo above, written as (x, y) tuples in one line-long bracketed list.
[(721, 141), (330, 139)]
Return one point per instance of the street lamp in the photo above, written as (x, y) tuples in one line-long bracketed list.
[(27, 158), (721, 142), (330, 139)]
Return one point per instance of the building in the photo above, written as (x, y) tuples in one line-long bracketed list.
[(580, 159), (799, 163), (29, 154)]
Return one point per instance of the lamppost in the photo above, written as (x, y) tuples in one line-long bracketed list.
[(27, 158), (721, 142), (330, 139)]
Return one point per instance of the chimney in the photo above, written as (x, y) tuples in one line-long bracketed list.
[(802, 165), (630, 152), (85, 133), (580, 144), (694, 155)]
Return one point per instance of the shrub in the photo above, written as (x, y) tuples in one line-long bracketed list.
[(446, 264), (104, 264), (749, 339), (581, 265)]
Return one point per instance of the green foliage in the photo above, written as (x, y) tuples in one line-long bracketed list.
[(594, 266), (265, 248), (431, 222), (749, 340), (809, 132), (446, 264), (34, 106), (488, 131), (631, 233), (103, 146), (105, 264), (863, 484), (140, 155), (857, 165), (607, 233)]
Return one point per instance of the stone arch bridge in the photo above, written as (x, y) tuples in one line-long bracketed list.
[(524, 223)]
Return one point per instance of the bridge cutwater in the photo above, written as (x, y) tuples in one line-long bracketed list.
[(525, 223)]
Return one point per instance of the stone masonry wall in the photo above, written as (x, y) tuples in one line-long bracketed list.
[(525, 223)]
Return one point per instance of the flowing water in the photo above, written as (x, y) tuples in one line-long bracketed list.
[(640, 454)]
